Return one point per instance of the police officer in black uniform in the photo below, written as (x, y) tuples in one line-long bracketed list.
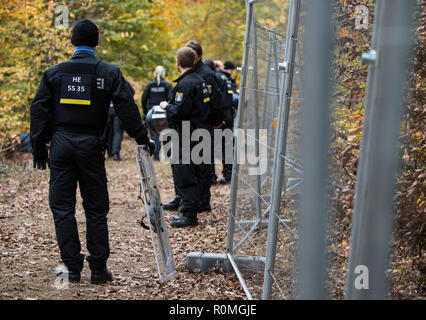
[(225, 72), (228, 113), (70, 109), (189, 102), (116, 134), (156, 91), (228, 70), (213, 176), (215, 119)]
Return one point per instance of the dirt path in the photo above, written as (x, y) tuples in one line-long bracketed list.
[(29, 252)]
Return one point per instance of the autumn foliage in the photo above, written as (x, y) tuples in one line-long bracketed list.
[(135, 34), (408, 254)]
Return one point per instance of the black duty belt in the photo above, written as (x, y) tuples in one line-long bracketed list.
[(90, 131)]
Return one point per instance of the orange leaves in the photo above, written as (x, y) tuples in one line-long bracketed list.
[(274, 122)]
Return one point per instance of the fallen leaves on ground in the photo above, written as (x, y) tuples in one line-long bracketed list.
[(29, 253)]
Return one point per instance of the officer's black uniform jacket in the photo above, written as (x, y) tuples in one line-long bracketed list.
[(227, 92), (233, 83), (60, 101), (216, 98), (189, 101), (154, 93)]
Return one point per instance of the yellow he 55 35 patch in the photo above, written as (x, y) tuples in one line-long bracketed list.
[(179, 96)]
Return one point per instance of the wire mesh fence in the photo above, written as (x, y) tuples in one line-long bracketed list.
[(289, 226), (260, 104)]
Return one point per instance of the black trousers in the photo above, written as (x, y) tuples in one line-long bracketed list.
[(206, 177), (79, 158), (117, 136), (227, 167), (205, 173), (187, 186), (214, 145)]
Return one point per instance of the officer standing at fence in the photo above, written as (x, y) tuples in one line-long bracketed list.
[(215, 119), (156, 91), (227, 96), (226, 69), (189, 102), (71, 109)]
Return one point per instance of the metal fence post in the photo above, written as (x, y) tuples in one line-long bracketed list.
[(240, 116), (315, 144), (372, 220), (255, 114), (267, 80), (280, 145), (265, 124)]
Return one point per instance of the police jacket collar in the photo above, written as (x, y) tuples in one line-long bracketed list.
[(184, 75), (226, 74), (81, 55)]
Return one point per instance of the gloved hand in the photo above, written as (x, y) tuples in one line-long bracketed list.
[(147, 142), (151, 147), (40, 158)]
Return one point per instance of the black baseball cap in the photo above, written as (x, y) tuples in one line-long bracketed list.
[(229, 65)]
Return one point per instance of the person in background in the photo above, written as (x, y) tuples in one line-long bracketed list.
[(218, 65), (227, 95), (156, 91), (116, 134), (224, 71), (228, 69), (210, 63)]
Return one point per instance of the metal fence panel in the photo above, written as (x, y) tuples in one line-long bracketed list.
[(285, 236), (372, 222)]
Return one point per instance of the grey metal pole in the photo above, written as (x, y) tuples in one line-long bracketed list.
[(362, 159), (315, 143), (264, 117), (372, 220), (239, 276), (255, 114), (280, 146), (277, 54), (240, 117)]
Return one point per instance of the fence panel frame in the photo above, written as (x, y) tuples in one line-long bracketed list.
[(281, 144), (373, 211)]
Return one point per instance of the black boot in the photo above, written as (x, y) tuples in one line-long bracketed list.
[(73, 270), (117, 157), (101, 276), (205, 208), (74, 276), (172, 205), (184, 220)]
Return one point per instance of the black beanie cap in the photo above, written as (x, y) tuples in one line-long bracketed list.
[(85, 33)]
